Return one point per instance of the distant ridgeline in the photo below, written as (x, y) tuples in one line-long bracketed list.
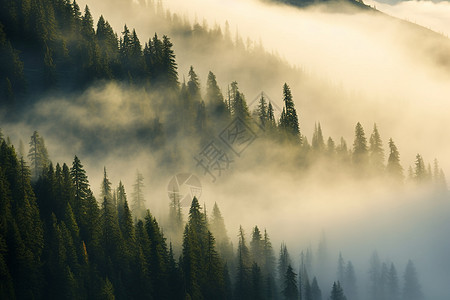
[(52, 47), (336, 4), (57, 241), (48, 47)]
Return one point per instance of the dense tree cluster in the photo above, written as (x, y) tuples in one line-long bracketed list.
[(59, 241), (53, 41)]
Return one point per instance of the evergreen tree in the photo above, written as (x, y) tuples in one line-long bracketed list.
[(439, 178), (337, 293), (257, 284), (193, 86), (270, 116), (341, 269), (38, 155), (317, 143), (393, 168), (289, 118), (411, 287), (169, 64), (217, 226), (138, 206), (105, 189), (284, 261), (175, 215), (375, 290), (214, 287), (214, 98), (360, 155), (316, 293), (256, 246), (420, 173), (350, 281), (262, 111), (243, 272), (392, 284), (376, 153), (331, 147), (290, 291), (268, 266), (158, 258), (121, 198), (238, 104)]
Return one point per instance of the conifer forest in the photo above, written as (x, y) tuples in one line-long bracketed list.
[(239, 149)]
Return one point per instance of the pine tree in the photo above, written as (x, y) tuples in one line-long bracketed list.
[(360, 155), (270, 117), (138, 206), (111, 238), (331, 148), (256, 246), (375, 277), (420, 173), (289, 118), (341, 269), (337, 293), (317, 142), (262, 111), (411, 287), (169, 64), (158, 257), (105, 189), (284, 261), (316, 293), (175, 215), (376, 153), (243, 272), (269, 256), (439, 178), (384, 280), (393, 168), (120, 198), (350, 281), (193, 86), (239, 108), (290, 291), (81, 190), (392, 288), (214, 286), (127, 228), (38, 155), (107, 291), (217, 227), (214, 98)]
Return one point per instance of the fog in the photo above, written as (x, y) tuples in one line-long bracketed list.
[(425, 13), (353, 66)]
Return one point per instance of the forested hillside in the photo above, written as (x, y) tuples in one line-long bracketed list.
[(58, 241), (102, 94)]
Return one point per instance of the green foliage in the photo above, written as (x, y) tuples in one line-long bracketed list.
[(337, 293), (420, 173), (238, 105), (376, 153), (38, 154), (138, 206), (243, 271), (290, 291), (317, 142), (360, 152), (289, 118), (316, 293), (393, 168)]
